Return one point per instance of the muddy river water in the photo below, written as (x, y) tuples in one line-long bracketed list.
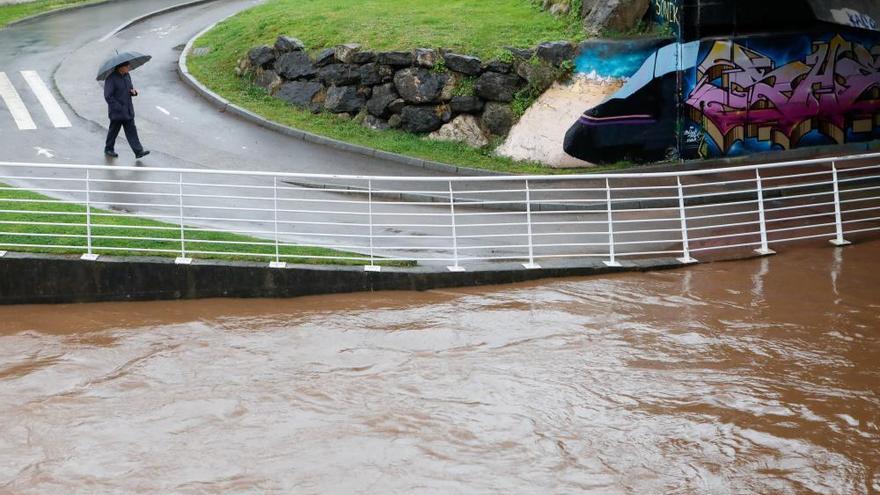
[(748, 377)]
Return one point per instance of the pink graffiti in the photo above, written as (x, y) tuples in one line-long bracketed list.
[(741, 94)]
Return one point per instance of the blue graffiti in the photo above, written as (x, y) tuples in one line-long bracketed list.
[(601, 63)]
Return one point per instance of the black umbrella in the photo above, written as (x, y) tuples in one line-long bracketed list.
[(135, 59)]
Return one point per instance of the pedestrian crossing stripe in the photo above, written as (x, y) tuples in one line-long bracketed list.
[(44, 96), (15, 104), (17, 108)]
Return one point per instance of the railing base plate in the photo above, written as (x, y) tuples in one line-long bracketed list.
[(183, 261), (687, 261), (89, 257), (612, 264), (839, 243), (277, 264), (456, 269), (765, 252), (2, 254), (373, 268), (531, 266)]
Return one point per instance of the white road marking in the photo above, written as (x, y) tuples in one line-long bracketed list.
[(50, 104), (44, 152), (13, 102), (166, 112)]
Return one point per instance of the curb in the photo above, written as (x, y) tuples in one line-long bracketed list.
[(225, 105)]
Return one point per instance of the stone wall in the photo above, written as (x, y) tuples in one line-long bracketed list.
[(446, 95)]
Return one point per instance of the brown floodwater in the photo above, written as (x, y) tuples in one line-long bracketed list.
[(748, 377)]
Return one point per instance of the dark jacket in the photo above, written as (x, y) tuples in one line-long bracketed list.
[(117, 92)]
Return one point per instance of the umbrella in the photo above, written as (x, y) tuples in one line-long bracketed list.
[(134, 58)]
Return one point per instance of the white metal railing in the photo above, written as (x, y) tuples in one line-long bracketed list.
[(454, 222)]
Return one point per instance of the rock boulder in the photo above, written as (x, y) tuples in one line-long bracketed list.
[(396, 59), (499, 67), (466, 104), (345, 53), (471, 66), (344, 99), (420, 120), (374, 73), (261, 56), (268, 79), (339, 74), (326, 57), (614, 15), (418, 85), (363, 58), (286, 44), (304, 94), (383, 96), (463, 129), (425, 57), (497, 118), (295, 65), (555, 53), (498, 87)]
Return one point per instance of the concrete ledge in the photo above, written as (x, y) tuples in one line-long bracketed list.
[(46, 279)]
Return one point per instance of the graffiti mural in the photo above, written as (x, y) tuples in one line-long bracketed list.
[(735, 96), (744, 100)]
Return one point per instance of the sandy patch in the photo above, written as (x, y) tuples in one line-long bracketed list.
[(539, 135)]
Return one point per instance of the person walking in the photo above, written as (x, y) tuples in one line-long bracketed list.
[(118, 92)]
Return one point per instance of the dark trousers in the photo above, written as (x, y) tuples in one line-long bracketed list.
[(131, 134)]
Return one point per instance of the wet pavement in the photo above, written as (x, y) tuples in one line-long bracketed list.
[(750, 377)]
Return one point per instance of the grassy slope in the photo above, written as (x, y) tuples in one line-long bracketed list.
[(11, 13), (481, 28), (63, 225)]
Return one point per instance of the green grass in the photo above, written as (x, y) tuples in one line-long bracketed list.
[(480, 28), (12, 13), (62, 224)]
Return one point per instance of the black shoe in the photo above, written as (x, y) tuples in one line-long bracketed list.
[(111, 153), (141, 154)]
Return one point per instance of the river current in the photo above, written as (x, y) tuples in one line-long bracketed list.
[(750, 377)]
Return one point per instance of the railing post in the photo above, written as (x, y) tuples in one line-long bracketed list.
[(685, 243), (612, 261), (89, 256), (455, 267), (838, 214), (277, 263), (765, 248), (372, 267), (531, 265), (182, 259)]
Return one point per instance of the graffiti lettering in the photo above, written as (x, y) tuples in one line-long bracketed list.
[(692, 135), (741, 94), (855, 19), (667, 10)]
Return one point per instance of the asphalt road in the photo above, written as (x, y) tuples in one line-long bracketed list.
[(181, 129)]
